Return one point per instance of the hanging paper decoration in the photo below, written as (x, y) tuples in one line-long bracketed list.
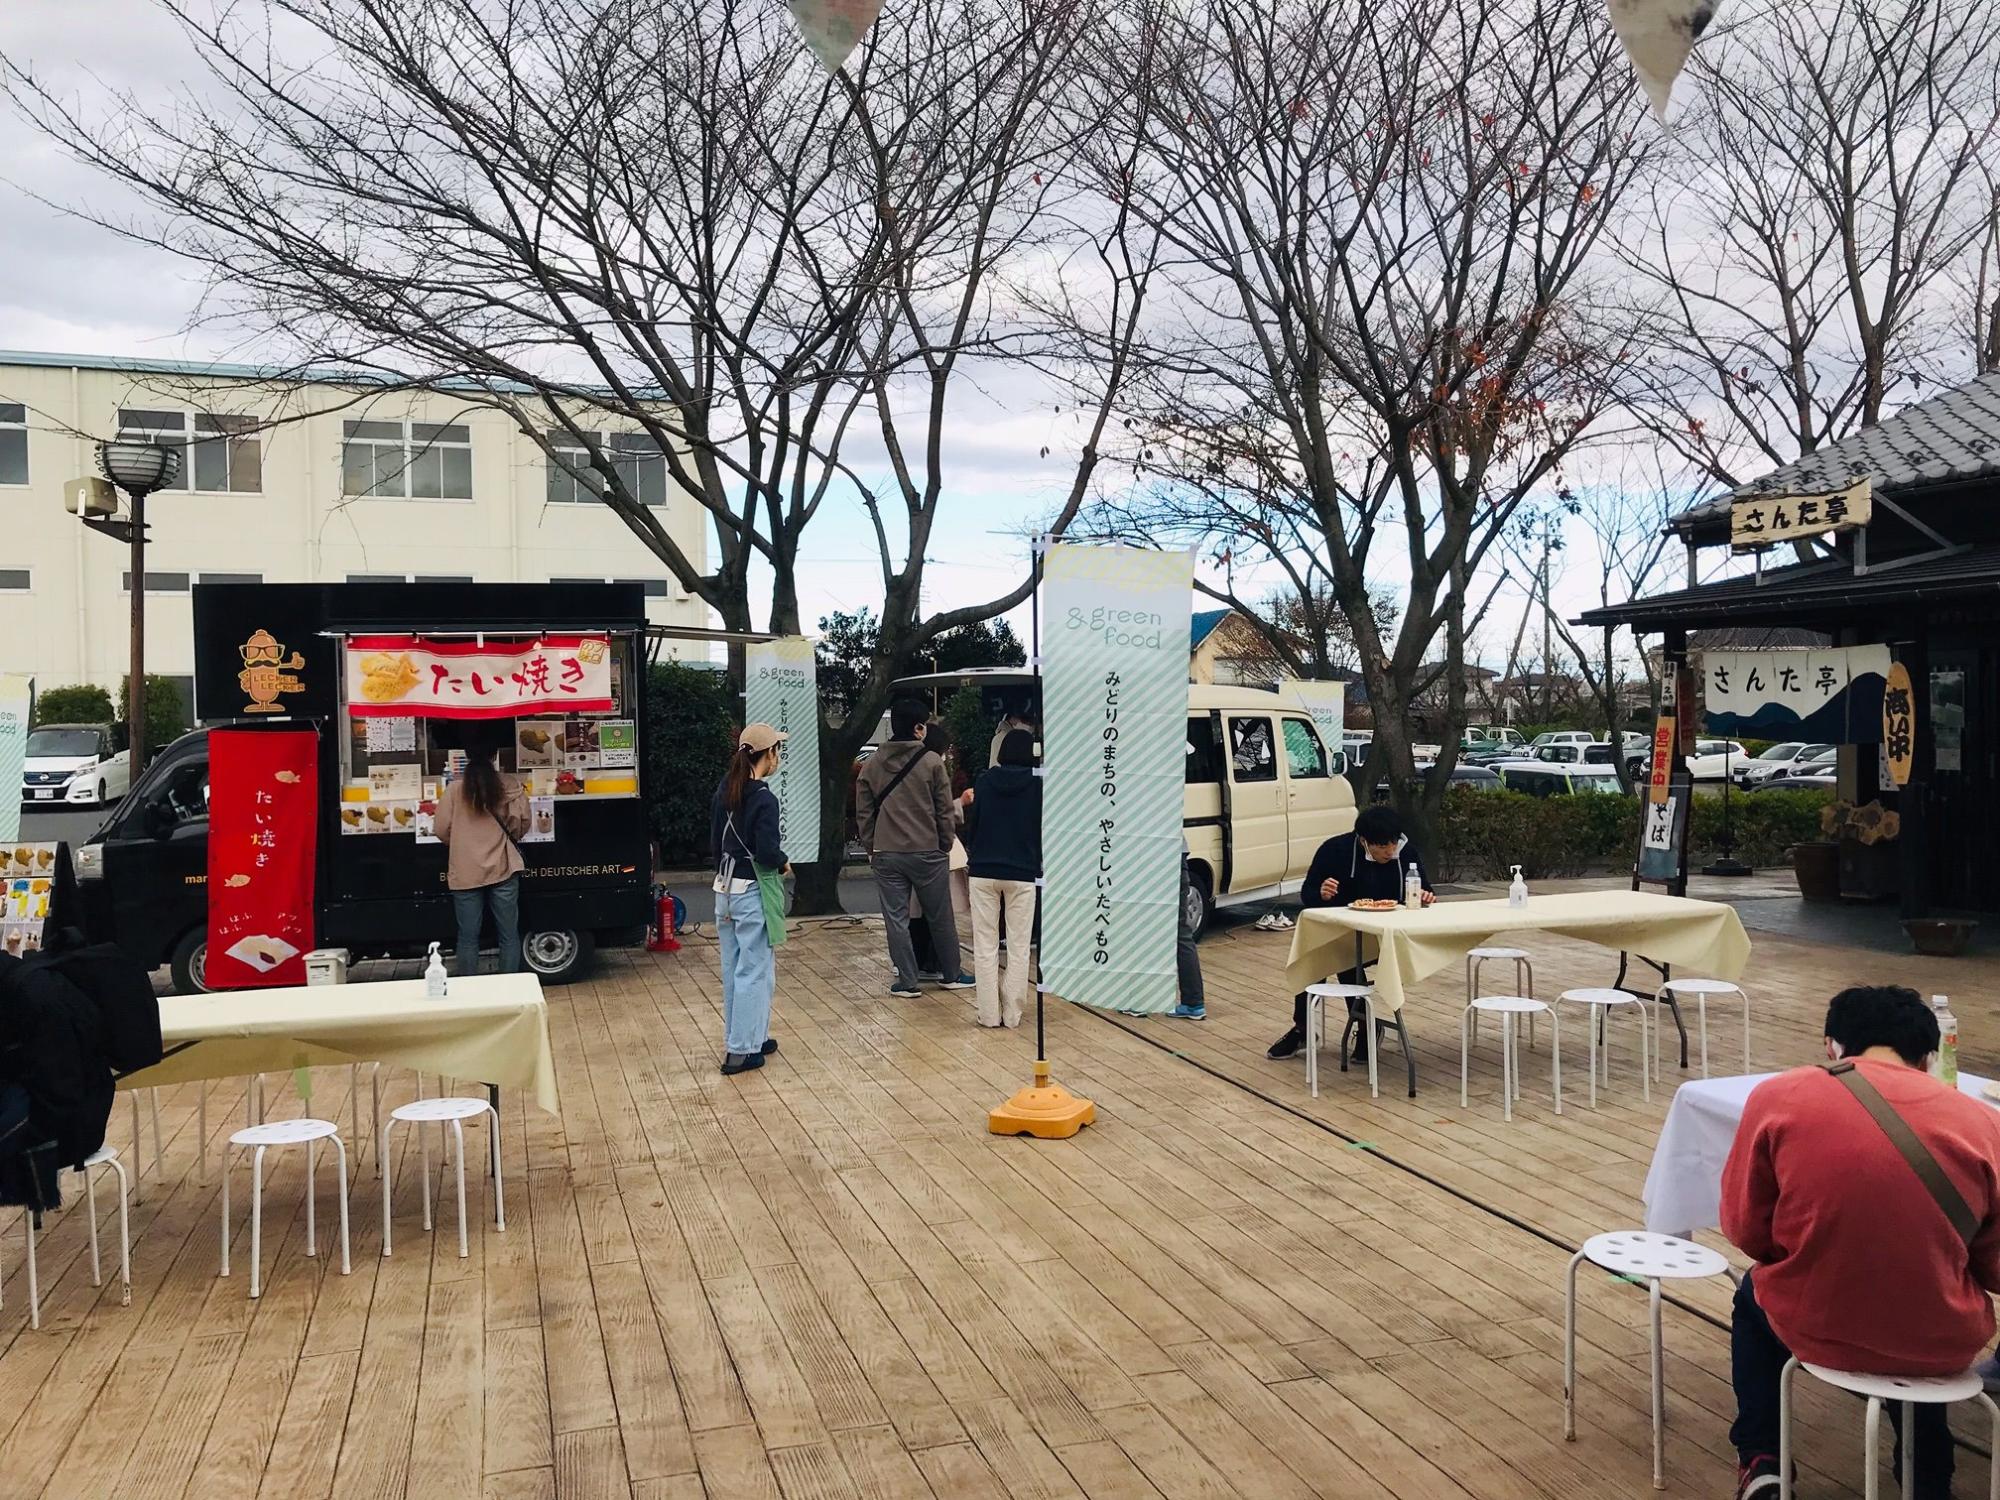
[(833, 28), (1658, 35)]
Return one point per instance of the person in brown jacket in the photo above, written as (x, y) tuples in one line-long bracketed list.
[(903, 802), (478, 818)]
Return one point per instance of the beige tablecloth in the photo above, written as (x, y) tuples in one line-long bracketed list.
[(1703, 938), (493, 1028)]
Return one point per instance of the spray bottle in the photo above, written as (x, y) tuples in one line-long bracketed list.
[(434, 980)]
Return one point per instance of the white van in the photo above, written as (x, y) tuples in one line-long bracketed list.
[(1263, 791)]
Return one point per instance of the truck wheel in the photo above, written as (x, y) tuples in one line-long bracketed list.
[(557, 955), (1196, 902), (190, 963)]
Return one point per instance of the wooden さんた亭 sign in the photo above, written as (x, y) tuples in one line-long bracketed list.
[(1765, 520)]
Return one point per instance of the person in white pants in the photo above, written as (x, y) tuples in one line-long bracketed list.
[(1003, 838)]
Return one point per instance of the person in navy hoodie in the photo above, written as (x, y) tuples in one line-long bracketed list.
[(1003, 843), (1367, 864)]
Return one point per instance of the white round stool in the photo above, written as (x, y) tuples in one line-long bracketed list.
[(1602, 1002), (1316, 997), (1701, 989), (104, 1156), (1508, 1008), (1911, 1391), (452, 1112), (260, 1138), (1652, 1258), (1524, 978)]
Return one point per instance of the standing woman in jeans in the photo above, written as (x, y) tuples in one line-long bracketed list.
[(743, 831), (478, 818)]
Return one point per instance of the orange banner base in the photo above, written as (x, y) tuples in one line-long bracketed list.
[(1044, 1109)]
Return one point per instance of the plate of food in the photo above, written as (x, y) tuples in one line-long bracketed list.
[(1372, 904)]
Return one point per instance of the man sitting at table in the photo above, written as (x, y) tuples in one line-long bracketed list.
[(1365, 865), (1858, 1267)]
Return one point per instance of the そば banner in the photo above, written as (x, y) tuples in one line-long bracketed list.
[(408, 676), (1114, 731), (263, 800), (781, 688)]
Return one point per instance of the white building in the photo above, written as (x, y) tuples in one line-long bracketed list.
[(322, 483)]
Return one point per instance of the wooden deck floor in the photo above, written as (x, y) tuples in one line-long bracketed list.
[(826, 1279)]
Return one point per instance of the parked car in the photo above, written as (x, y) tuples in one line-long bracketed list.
[(1557, 779), (1821, 769), (79, 764), (1713, 760), (1561, 737), (1779, 760), (1479, 778)]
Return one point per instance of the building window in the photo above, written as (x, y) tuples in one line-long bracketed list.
[(441, 578), (157, 583), (406, 460), (14, 581), (639, 463), (582, 486), (13, 443), (656, 588), (376, 578), (228, 456), (232, 578)]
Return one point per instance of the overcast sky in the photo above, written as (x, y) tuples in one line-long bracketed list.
[(70, 287)]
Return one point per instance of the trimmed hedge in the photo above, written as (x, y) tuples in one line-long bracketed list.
[(691, 723), (1482, 833)]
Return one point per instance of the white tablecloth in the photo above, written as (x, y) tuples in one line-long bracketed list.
[(489, 1027), (1705, 938), (1683, 1189)]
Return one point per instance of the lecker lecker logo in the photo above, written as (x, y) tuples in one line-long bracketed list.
[(267, 673)]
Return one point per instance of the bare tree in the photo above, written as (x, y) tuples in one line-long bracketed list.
[(1306, 634), (609, 215), (1383, 330), (1830, 176)]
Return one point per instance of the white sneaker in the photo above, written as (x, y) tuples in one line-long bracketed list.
[(1267, 923)]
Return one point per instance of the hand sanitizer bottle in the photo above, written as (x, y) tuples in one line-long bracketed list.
[(1517, 893), (434, 980)]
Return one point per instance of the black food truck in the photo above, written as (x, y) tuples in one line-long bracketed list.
[(390, 678)]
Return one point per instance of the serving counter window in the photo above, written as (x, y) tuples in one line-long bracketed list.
[(557, 711)]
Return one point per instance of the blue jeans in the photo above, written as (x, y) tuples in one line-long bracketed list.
[(748, 972), (471, 906)]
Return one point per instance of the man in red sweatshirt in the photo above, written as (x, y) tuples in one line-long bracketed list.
[(1857, 1267)]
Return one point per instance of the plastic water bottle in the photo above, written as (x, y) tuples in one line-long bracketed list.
[(1413, 887), (1944, 1065), (1517, 893), (434, 980)]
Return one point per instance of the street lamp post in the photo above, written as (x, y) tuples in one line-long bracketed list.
[(137, 468)]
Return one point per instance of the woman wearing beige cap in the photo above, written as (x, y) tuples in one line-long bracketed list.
[(743, 831)]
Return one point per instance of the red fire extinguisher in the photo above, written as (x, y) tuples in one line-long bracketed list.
[(666, 922)]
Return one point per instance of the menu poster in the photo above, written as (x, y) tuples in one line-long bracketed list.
[(541, 821), (400, 783), (378, 817), (537, 742), (25, 896), (391, 736), (617, 743), (27, 861), (425, 822)]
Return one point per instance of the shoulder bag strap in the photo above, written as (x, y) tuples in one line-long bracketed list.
[(895, 781), (1914, 1151)]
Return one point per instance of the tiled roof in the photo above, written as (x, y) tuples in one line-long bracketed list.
[(1811, 592), (1953, 436)]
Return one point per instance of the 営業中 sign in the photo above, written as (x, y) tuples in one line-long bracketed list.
[(1899, 724)]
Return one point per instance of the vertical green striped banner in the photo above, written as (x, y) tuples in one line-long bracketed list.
[(1114, 736), (1327, 703), (781, 688), (17, 698)]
